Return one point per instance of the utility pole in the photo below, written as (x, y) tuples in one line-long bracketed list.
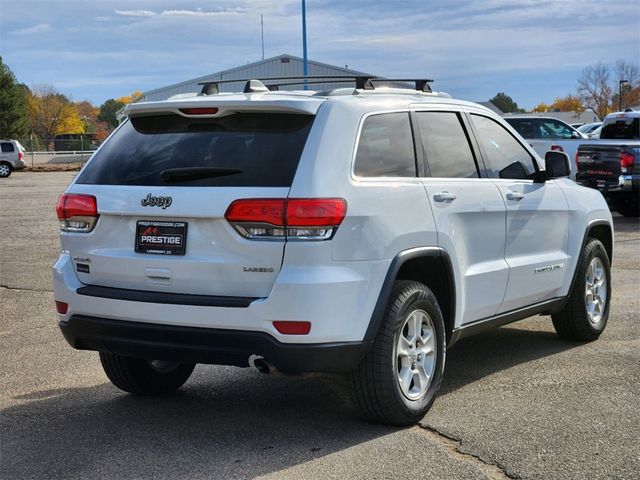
[(262, 33), (305, 68)]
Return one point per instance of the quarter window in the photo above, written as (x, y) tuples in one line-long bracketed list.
[(386, 147), (446, 145), (7, 147), (506, 157)]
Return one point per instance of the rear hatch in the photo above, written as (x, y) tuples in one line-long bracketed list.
[(163, 182)]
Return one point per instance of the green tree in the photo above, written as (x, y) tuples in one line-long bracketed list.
[(13, 105), (505, 103), (108, 112)]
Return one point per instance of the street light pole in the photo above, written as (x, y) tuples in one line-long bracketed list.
[(305, 70), (620, 83)]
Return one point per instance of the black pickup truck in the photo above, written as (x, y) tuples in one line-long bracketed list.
[(613, 165)]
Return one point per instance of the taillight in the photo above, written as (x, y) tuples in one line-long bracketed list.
[(557, 148), (577, 160), (20, 155), (294, 218), (77, 212), (626, 161)]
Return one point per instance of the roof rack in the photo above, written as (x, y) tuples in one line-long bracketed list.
[(363, 82)]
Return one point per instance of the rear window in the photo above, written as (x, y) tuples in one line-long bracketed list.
[(621, 128), (263, 149)]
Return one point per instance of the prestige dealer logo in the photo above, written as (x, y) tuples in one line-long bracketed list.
[(151, 201)]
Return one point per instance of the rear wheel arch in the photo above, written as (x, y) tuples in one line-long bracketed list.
[(430, 266)]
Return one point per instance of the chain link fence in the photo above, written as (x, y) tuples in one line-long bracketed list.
[(59, 150)]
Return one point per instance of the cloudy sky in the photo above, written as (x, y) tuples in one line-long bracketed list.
[(532, 49)]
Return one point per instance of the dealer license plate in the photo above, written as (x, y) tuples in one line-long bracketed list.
[(161, 238)]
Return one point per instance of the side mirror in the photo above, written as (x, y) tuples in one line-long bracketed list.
[(557, 164), (576, 135)]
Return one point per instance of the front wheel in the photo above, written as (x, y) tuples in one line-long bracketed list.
[(397, 382), (145, 377), (586, 312)]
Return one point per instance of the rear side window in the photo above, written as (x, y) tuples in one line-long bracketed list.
[(446, 145), (505, 156), (7, 147), (622, 128), (526, 128), (261, 149), (386, 147)]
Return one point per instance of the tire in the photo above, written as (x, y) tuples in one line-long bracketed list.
[(627, 205), (577, 320), (5, 169), (145, 377), (377, 388)]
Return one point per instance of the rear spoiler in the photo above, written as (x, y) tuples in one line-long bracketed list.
[(225, 105)]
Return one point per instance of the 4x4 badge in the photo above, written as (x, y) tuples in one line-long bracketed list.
[(151, 201)]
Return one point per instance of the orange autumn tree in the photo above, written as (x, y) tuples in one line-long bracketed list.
[(50, 113)]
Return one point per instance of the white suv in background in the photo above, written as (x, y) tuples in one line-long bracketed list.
[(356, 230), (11, 157)]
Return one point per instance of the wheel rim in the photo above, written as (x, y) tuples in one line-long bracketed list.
[(595, 297), (4, 170), (415, 354), (163, 366)]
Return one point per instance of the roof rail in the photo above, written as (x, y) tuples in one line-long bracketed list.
[(362, 82)]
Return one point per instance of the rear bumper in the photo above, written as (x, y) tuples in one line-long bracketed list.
[(624, 184), (206, 345)]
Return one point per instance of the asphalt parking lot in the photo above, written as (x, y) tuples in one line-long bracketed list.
[(516, 402)]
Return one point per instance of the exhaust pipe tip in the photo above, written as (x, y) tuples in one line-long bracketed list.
[(260, 364)]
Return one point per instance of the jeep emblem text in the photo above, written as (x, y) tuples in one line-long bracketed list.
[(151, 201)]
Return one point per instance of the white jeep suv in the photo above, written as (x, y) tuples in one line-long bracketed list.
[(356, 230)]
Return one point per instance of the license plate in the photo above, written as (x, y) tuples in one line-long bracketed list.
[(161, 238)]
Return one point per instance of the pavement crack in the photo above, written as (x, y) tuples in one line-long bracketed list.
[(21, 289), (491, 469)]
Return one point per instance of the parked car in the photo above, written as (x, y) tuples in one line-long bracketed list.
[(613, 167), (547, 133), (589, 128), (11, 157), (361, 231)]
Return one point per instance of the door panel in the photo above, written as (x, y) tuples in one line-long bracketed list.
[(470, 218), (536, 245)]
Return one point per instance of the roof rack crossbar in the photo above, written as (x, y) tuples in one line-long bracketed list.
[(363, 82)]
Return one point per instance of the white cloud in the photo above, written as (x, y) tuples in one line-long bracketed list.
[(136, 13), (40, 28), (182, 13), (201, 13)]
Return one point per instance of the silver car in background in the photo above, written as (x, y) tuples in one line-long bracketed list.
[(11, 157)]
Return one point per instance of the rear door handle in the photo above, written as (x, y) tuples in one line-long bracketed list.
[(517, 196), (444, 197)]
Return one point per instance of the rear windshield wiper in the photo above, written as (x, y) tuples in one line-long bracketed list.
[(187, 174)]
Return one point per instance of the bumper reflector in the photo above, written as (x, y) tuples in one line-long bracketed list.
[(292, 328), (62, 307)]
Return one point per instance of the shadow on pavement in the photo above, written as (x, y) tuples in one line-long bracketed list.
[(626, 224), (225, 423)]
